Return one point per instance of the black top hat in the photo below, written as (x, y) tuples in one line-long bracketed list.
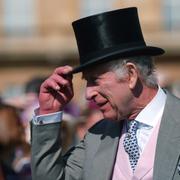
[(109, 36)]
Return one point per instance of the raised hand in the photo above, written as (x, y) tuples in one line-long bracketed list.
[(56, 91)]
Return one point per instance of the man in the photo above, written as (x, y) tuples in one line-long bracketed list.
[(139, 135)]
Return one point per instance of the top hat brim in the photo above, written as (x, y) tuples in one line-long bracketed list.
[(106, 56)]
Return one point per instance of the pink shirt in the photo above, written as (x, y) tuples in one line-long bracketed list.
[(144, 168)]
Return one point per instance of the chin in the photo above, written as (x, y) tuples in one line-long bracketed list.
[(110, 117), (113, 117)]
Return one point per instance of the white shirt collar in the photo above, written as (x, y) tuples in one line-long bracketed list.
[(154, 109)]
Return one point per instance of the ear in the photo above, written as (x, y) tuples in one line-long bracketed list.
[(132, 74)]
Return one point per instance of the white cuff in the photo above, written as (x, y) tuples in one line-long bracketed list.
[(47, 118)]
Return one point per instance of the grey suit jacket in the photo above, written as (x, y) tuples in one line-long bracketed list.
[(94, 157)]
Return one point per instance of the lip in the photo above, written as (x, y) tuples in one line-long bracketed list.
[(102, 104)]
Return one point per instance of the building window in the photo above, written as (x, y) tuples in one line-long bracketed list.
[(90, 7), (172, 14), (18, 17)]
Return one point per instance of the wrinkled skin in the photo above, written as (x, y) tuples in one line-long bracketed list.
[(56, 91), (117, 98)]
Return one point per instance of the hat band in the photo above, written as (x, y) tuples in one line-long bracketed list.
[(111, 50)]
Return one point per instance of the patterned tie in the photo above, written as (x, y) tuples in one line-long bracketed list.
[(130, 143)]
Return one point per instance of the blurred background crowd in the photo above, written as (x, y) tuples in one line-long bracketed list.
[(35, 37)]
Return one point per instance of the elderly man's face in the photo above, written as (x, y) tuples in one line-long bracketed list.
[(113, 96)]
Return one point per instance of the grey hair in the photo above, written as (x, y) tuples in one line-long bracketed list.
[(144, 64)]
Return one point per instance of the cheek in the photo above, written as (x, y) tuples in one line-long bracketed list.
[(112, 98), (119, 98), (116, 92)]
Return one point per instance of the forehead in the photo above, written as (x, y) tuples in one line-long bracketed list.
[(94, 71)]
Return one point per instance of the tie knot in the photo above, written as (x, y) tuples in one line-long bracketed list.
[(132, 126)]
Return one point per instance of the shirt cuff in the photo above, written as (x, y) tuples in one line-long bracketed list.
[(47, 118)]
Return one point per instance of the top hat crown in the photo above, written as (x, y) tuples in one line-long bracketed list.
[(109, 36)]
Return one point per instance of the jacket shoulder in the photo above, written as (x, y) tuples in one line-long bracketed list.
[(106, 128)]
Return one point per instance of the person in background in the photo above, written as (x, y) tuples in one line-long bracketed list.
[(27, 101), (138, 137), (12, 141), (31, 93), (90, 116)]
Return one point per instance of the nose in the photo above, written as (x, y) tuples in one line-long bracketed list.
[(91, 92)]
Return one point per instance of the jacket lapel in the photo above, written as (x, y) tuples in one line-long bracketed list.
[(168, 143), (103, 162)]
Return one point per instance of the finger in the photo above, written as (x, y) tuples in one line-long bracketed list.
[(65, 70), (66, 90), (50, 84), (61, 81), (64, 98)]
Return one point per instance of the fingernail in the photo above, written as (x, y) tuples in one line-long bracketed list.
[(57, 88)]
